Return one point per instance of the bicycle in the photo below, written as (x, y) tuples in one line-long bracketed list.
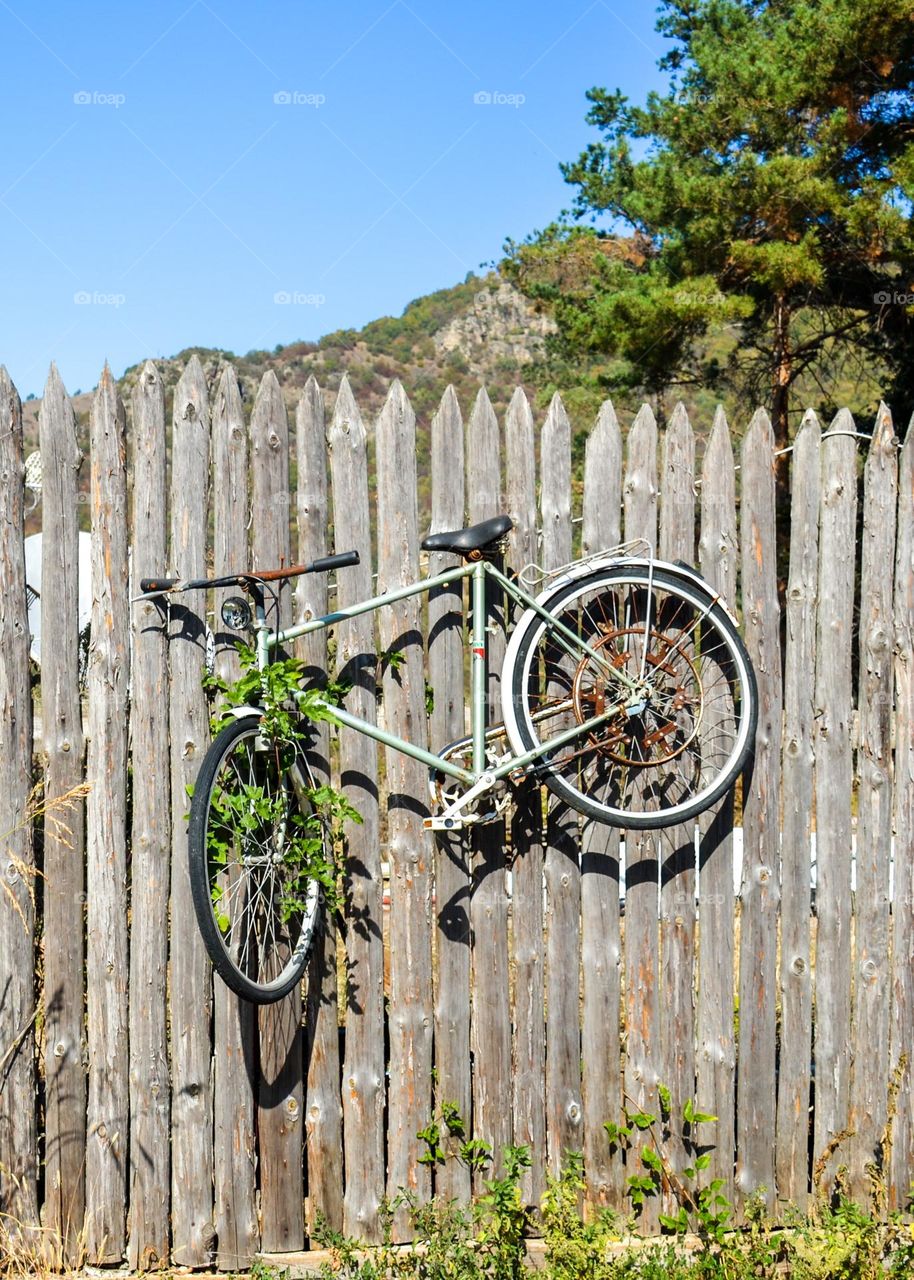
[(626, 690)]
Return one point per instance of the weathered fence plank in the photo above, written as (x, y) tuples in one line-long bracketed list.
[(150, 842), (64, 897), (716, 1043), (279, 1093), (491, 1015), (601, 945), (677, 844), (792, 1153), (234, 1142), (871, 1078), (446, 725), (602, 504), (564, 1107), (761, 820), (191, 982), (901, 1039), (834, 775), (18, 1135), (107, 956), (323, 1111), (408, 847), (363, 1067), (526, 839), (642, 958)]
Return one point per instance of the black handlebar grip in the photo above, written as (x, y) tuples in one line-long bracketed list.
[(148, 585), (341, 561)]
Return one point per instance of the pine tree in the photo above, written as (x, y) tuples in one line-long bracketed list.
[(770, 187)]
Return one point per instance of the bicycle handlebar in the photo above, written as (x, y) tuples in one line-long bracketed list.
[(324, 564)]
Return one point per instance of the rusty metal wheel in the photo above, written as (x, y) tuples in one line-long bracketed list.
[(648, 664)]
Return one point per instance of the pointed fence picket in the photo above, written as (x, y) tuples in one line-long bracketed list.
[(795, 983), (107, 966), (279, 1093), (759, 891), (643, 1057), (323, 1107), (868, 1105), (18, 1011), (601, 942), (190, 977), (834, 774), (452, 851), (526, 835), (234, 1141), (715, 1068), (901, 1031), (149, 1196), (409, 847), (64, 827), (562, 867), (490, 994), (363, 1065), (527, 1000), (677, 844)]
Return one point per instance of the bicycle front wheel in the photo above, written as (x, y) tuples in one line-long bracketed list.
[(252, 834), (664, 759)]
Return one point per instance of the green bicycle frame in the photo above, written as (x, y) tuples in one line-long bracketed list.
[(268, 640)]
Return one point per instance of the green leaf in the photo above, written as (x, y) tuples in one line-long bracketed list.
[(703, 1161)]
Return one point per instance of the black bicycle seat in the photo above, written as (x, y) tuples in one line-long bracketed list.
[(478, 537)]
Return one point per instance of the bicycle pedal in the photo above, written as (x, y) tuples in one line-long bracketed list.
[(441, 823)]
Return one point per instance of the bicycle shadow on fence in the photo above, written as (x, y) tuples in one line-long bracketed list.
[(453, 915), (281, 1026), (600, 851), (191, 626)]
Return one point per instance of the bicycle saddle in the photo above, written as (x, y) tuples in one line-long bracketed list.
[(478, 537)]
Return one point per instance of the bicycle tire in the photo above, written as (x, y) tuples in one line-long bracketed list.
[(240, 866), (676, 757)]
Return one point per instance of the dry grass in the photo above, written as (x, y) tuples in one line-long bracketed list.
[(38, 1252)]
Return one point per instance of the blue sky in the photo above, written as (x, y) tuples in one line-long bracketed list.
[(211, 172)]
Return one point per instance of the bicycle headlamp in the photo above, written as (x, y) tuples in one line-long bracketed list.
[(236, 613)]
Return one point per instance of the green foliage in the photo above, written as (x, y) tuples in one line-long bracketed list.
[(447, 1139), (277, 691), (701, 1209), (312, 825), (404, 336), (484, 1241), (261, 1270), (769, 188), (575, 1249)]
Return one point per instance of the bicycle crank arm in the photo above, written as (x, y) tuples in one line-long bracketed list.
[(452, 818)]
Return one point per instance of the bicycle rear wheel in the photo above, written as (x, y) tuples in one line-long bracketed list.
[(661, 763), (251, 834)]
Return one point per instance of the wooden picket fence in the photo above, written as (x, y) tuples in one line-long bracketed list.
[(147, 1115)]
